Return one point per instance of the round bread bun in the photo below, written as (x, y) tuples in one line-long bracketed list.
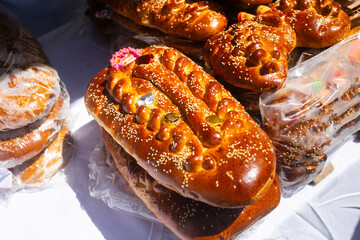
[(17, 146), (51, 160), (27, 95)]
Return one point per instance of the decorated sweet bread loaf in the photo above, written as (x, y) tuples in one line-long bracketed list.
[(317, 23), (187, 218), (183, 127), (252, 53), (187, 19)]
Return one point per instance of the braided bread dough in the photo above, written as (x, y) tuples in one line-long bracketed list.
[(187, 19), (252, 53), (183, 128)]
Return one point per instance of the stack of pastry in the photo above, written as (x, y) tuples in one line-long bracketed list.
[(318, 107), (186, 147), (34, 106)]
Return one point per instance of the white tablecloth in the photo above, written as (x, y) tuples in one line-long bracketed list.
[(65, 210)]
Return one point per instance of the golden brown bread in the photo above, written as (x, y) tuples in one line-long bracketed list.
[(27, 95), (33, 107), (29, 87), (183, 128), (252, 53), (181, 18), (54, 157), (187, 218), (317, 23), (20, 145)]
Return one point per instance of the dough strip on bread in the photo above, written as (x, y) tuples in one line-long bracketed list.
[(183, 128)]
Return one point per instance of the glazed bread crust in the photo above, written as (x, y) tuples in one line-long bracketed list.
[(252, 53), (51, 160), (317, 23), (187, 218), (29, 87), (187, 19), (20, 145), (183, 128)]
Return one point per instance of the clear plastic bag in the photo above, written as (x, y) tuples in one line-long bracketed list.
[(29, 86), (317, 108), (107, 184), (20, 145), (34, 173)]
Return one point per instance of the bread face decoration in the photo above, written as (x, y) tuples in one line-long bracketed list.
[(317, 23), (187, 218), (186, 19), (252, 53), (183, 128)]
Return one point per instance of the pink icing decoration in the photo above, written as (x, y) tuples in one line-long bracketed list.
[(124, 56)]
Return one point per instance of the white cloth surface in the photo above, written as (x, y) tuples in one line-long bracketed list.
[(65, 210)]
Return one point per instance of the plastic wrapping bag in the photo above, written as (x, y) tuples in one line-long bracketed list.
[(34, 105), (33, 173), (317, 108), (107, 184), (29, 87)]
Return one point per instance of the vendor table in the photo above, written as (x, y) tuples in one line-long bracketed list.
[(65, 209)]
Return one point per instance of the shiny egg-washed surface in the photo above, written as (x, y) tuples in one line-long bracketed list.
[(252, 53), (188, 19), (192, 137), (187, 218), (317, 23), (29, 142)]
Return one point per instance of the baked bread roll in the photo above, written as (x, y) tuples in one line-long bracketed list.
[(187, 218), (20, 145), (317, 23), (43, 167), (195, 20), (252, 53), (183, 128)]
